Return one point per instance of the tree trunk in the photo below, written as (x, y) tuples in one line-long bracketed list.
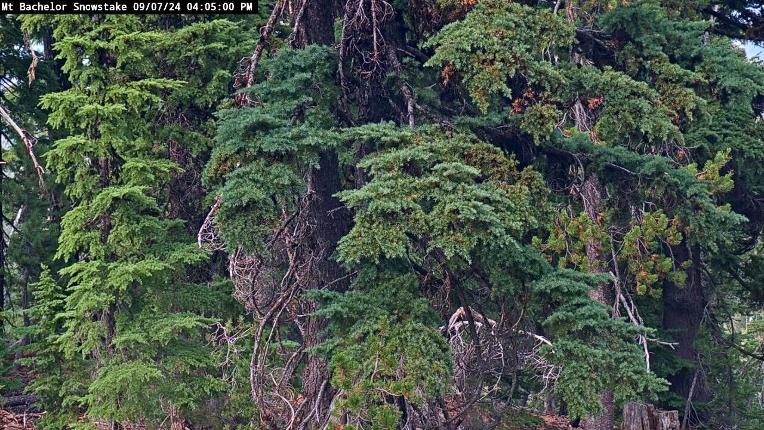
[(331, 222), (591, 195), (640, 416), (185, 190), (317, 23), (107, 315), (683, 308)]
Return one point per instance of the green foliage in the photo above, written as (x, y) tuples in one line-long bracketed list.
[(631, 113), (385, 342), (29, 228), (698, 211), (594, 351), (480, 205), (263, 151), (140, 354), (57, 380), (462, 203), (568, 236), (495, 42), (445, 193), (717, 182), (643, 253), (520, 419)]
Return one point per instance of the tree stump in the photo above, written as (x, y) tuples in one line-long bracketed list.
[(641, 416)]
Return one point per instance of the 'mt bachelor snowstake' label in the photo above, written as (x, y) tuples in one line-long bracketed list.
[(128, 7), (38, 7)]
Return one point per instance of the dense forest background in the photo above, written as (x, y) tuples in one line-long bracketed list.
[(372, 214)]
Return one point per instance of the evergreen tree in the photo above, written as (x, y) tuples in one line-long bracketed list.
[(134, 324), (424, 214), (30, 201)]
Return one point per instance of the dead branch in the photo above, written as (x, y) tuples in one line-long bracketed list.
[(208, 237), (33, 65), (247, 77), (28, 144), (688, 404), (483, 357), (406, 92), (297, 22), (362, 35)]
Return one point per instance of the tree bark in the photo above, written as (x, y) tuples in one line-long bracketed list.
[(185, 189), (640, 416), (317, 23), (591, 196), (331, 222), (683, 308)]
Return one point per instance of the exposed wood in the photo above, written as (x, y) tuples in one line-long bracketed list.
[(22, 421), (247, 79), (641, 416), (688, 405), (26, 138), (33, 65)]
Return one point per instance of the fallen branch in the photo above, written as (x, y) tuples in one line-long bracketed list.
[(16, 401)]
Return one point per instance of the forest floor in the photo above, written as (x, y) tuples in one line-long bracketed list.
[(14, 421), (555, 422), (25, 421)]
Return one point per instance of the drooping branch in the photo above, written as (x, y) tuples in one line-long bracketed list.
[(28, 145), (208, 237), (275, 298)]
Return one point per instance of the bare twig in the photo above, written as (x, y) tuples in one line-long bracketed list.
[(688, 404)]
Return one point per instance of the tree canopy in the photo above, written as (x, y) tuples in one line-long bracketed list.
[(366, 214)]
